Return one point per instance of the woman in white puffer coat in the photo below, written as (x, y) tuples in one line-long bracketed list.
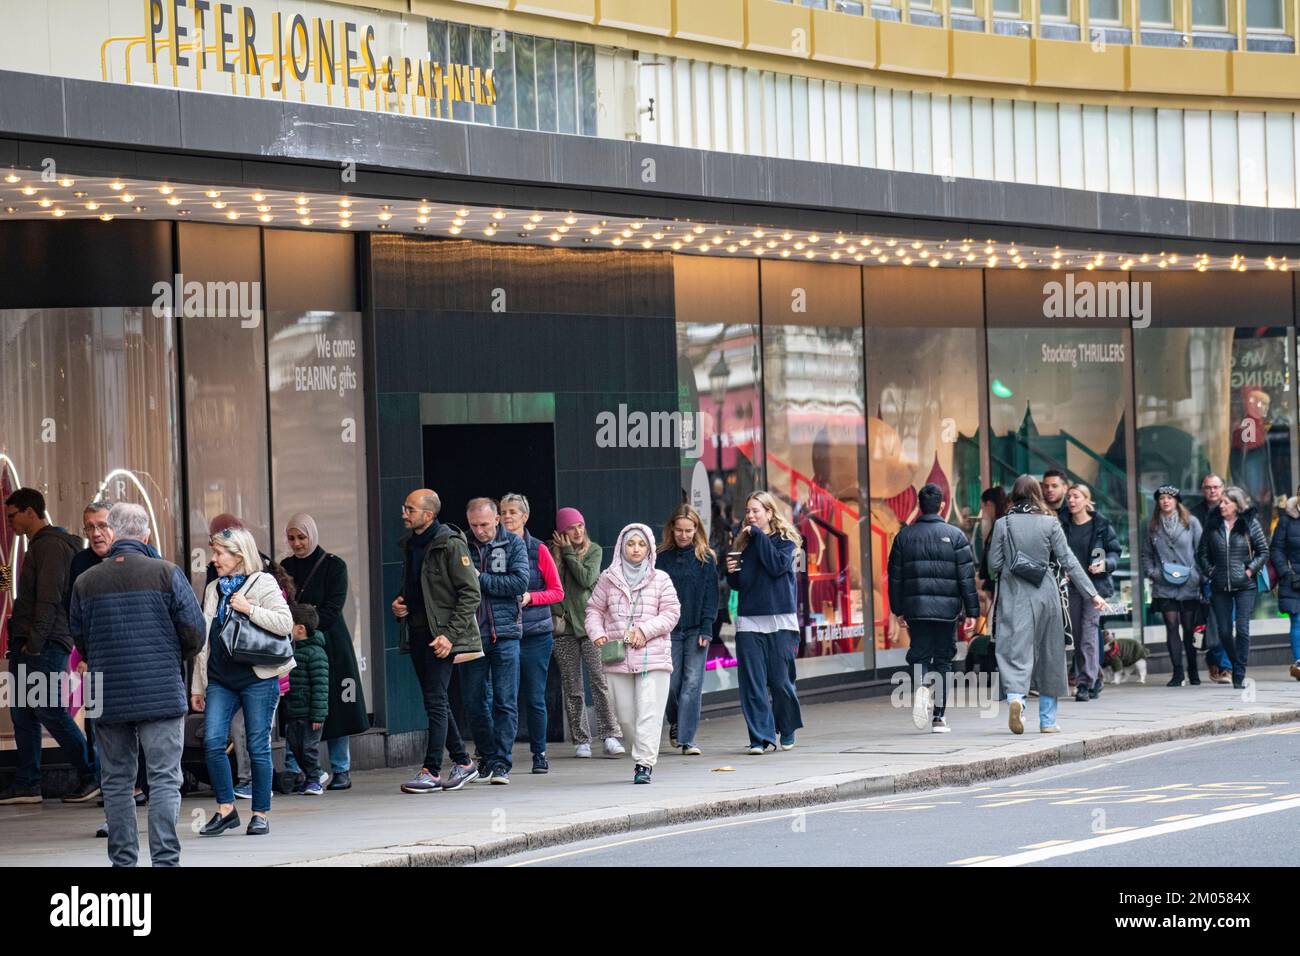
[(630, 617)]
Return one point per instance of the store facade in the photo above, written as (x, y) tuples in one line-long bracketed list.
[(343, 304)]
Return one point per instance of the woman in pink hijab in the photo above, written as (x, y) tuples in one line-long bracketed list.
[(321, 579)]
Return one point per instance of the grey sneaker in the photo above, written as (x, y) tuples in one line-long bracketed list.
[(459, 776), (501, 776), (424, 782)]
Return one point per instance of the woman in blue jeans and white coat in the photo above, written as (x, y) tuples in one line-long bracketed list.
[(222, 685), (685, 555), (767, 623)]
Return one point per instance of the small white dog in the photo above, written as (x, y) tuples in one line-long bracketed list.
[(1126, 657)]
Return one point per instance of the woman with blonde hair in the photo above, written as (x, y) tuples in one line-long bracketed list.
[(1093, 541), (761, 570), (1031, 621), (223, 685), (685, 555)]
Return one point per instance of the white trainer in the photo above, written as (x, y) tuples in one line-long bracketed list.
[(922, 702), (613, 747), (582, 750)]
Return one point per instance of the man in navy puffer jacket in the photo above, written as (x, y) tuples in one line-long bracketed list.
[(502, 564), (136, 620), (931, 587)]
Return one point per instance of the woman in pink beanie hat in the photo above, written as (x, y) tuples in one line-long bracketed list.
[(579, 558)]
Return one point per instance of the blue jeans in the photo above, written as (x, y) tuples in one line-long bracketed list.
[(52, 660), (489, 689), (1232, 610), (1046, 708), (1295, 637), (764, 664), (686, 686), (534, 663), (258, 702)]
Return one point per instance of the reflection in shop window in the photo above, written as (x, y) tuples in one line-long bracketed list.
[(1057, 402), (923, 399), (1215, 400)]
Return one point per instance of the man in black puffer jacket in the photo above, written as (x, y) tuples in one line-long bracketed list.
[(932, 587)]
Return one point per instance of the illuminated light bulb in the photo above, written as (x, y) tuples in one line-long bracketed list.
[(385, 216), (344, 214), (263, 208), (12, 178), (302, 201), (698, 230), (851, 249), (345, 223), (810, 254), (1022, 264), (970, 257), (595, 230), (219, 204), (617, 240), (29, 191), (423, 210), (907, 260), (422, 219), (1201, 267), (490, 231), (659, 235), (814, 238), (744, 243), (758, 233), (934, 263), (759, 250), (59, 213), (303, 210), (965, 247), (555, 237), (799, 246), (835, 255), (787, 236), (1056, 254), (116, 185), (840, 240), (126, 197), (1090, 266), (626, 233), (1014, 252), (454, 230), (258, 197), (988, 250), (993, 260), (570, 219), (458, 221), (947, 255), (463, 213), (1173, 260), (534, 218), (883, 260), (899, 253), (499, 215), (232, 215), (771, 243), (891, 242), (1164, 264), (925, 253), (1056, 265), (705, 247), (139, 208), (676, 245), (1144, 258), (530, 226), (785, 253), (875, 251), (649, 244), (266, 217), (916, 245), (92, 205), (716, 240), (305, 221), (859, 257), (561, 229), (45, 202), (106, 218), (866, 240), (212, 194), (66, 183)]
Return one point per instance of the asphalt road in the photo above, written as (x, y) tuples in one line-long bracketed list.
[(1221, 801)]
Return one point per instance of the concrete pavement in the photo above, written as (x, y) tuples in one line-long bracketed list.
[(848, 750)]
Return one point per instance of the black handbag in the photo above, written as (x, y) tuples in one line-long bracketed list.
[(246, 643), (1022, 565)]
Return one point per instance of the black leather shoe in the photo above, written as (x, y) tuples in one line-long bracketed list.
[(258, 826), (219, 824), (102, 831), (342, 781)]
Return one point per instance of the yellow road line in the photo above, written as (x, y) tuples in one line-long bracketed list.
[(1007, 803), (1233, 806), (1177, 816)]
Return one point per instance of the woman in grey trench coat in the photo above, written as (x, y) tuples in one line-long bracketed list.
[(1029, 621)]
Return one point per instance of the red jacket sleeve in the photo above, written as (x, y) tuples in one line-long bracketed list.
[(554, 591)]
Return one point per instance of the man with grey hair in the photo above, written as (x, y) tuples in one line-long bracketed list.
[(136, 621)]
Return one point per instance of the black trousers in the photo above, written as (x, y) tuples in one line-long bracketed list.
[(933, 646), (434, 674), (305, 744), (1227, 606)]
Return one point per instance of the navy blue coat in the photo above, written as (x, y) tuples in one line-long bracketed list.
[(766, 580), (137, 620), (1284, 555), (696, 582), (503, 575)]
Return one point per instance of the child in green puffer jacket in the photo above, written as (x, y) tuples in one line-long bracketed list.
[(307, 703)]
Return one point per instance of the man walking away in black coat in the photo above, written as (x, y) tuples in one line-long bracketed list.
[(932, 587)]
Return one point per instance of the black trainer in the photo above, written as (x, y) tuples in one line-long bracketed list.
[(86, 791), (342, 781), (540, 765), (20, 795)]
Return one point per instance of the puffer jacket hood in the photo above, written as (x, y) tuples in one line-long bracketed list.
[(616, 564), (615, 607)]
